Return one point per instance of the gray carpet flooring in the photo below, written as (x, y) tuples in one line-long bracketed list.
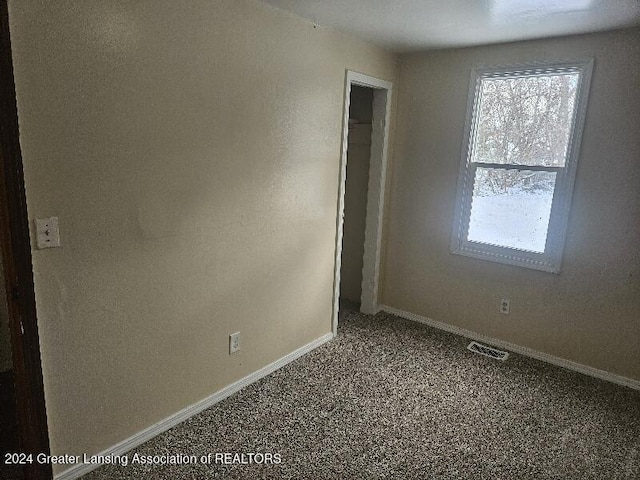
[(389, 398)]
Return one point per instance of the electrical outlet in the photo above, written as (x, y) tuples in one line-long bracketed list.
[(234, 342), (47, 232), (505, 305)]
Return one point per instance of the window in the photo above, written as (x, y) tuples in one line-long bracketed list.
[(520, 150)]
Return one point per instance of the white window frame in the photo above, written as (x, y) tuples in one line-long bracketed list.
[(550, 260)]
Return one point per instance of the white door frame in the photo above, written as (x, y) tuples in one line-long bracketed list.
[(375, 193)]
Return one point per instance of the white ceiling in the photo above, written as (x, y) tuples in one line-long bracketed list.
[(405, 25)]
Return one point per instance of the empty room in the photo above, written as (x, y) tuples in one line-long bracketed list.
[(355, 239)]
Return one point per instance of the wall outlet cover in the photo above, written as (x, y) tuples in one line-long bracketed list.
[(505, 306), (234, 342), (47, 232)]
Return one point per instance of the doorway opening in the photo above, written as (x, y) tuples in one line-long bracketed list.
[(8, 415), (363, 167), (23, 411), (355, 194)]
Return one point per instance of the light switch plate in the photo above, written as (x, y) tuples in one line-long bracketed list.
[(47, 232)]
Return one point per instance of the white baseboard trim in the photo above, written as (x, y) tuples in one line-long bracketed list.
[(163, 425), (528, 352)]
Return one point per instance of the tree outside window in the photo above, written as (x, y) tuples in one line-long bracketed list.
[(522, 137)]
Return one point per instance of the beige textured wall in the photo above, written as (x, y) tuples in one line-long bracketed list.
[(191, 151), (590, 313)]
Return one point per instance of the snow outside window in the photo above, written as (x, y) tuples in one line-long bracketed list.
[(521, 143)]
